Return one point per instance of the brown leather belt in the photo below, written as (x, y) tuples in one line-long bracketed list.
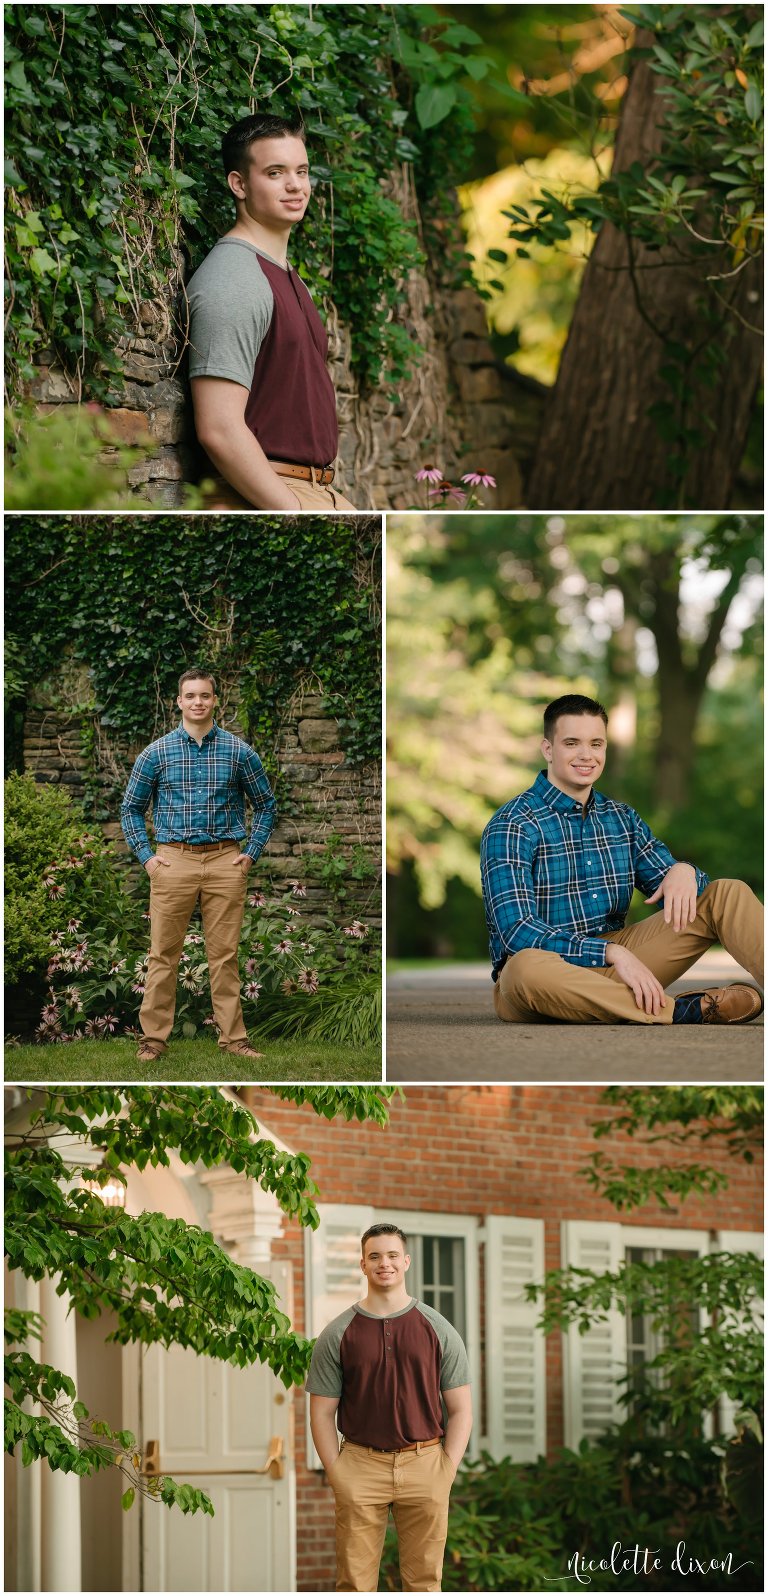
[(414, 1446), (202, 847), (322, 476)]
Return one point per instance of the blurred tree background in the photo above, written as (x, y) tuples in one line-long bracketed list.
[(490, 617), (639, 130)]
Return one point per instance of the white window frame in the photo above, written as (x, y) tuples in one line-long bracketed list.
[(700, 1242)]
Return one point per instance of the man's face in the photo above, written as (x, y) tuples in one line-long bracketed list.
[(275, 186), (197, 700), (576, 755), (384, 1262)]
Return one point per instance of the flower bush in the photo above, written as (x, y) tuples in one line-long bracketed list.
[(298, 976)]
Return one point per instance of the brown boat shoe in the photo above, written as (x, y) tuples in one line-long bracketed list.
[(242, 1050), (729, 1005)]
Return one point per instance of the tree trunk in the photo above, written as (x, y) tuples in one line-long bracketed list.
[(598, 448)]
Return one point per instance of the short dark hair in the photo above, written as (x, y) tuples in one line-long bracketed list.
[(241, 135), (196, 675), (384, 1230), (571, 704)]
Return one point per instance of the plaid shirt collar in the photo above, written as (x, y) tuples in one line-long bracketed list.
[(181, 732), (552, 797)]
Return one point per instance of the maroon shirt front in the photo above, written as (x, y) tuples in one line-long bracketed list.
[(291, 406)]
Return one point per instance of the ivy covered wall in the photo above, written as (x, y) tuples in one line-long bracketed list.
[(116, 194)]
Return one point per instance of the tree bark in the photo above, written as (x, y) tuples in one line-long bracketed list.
[(598, 448)]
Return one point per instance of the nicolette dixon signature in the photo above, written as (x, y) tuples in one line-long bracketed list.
[(645, 1560)]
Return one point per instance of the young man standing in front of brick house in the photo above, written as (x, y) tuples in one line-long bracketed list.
[(395, 1374), (559, 866), (265, 409), (197, 779)]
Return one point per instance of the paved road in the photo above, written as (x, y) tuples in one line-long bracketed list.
[(441, 1027)]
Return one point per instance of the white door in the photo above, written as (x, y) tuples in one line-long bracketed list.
[(215, 1427)]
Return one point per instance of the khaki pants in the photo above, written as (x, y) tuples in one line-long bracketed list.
[(536, 985), (175, 887), (417, 1486), (309, 494)]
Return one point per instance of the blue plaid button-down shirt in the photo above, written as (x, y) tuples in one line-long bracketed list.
[(197, 792), (554, 877)]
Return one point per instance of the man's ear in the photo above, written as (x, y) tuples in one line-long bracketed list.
[(235, 182), (546, 749)]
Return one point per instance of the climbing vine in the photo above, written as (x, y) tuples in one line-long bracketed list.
[(113, 172), (291, 607)]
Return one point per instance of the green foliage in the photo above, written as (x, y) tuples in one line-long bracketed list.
[(113, 163), (41, 827), (292, 605), (520, 1528), (166, 1282), (59, 460)]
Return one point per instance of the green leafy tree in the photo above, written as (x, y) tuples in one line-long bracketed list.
[(166, 1282)]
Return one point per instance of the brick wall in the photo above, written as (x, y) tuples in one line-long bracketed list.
[(325, 796), (478, 1150)]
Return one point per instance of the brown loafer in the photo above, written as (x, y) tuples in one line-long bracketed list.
[(242, 1050), (149, 1052), (729, 1005)]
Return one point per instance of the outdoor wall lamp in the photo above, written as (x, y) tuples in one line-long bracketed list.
[(112, 1194)]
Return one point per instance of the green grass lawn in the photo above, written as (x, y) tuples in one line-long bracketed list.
[(193, 1061)]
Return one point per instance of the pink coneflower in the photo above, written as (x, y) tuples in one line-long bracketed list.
[(192, 939), (356, 930), (189, 980), (479, 479), (114, 969), (308, 980), (292, 912), (251, 990), (284, 946), (298, 890), (209, 1020), (429, 473), (57, 938), (71, 995), (250, 966), (138, 987), (257, 900), (146, 915), (447, 490), (55, 889), (288, 986), (74, 925)]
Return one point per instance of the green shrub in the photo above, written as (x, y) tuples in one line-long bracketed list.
[(41, 827)]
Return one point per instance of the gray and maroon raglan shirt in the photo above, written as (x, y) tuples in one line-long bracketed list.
[(253, 322), (389, 1373)]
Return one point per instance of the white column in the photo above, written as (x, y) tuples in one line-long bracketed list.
[(60, 1532)]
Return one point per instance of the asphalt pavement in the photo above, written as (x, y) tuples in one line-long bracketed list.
[(441, 1027)]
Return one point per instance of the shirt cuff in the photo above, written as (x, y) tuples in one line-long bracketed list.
[(591, 953), (143, 852)]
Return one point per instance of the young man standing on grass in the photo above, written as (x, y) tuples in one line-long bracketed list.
[(265, 409), (395, 1374), (559, 866), (197, 778)]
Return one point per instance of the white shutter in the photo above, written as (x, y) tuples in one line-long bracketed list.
[(515, 1367), (594, 1360), (738, 1241), (332, 1273)]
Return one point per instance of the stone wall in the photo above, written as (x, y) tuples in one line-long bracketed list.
[(324, 798), (461, 409)]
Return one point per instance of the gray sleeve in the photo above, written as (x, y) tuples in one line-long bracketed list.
[(230, 311), (325, 1378), (454, 1366)]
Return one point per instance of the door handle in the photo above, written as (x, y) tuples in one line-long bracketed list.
[(274, 1466)]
